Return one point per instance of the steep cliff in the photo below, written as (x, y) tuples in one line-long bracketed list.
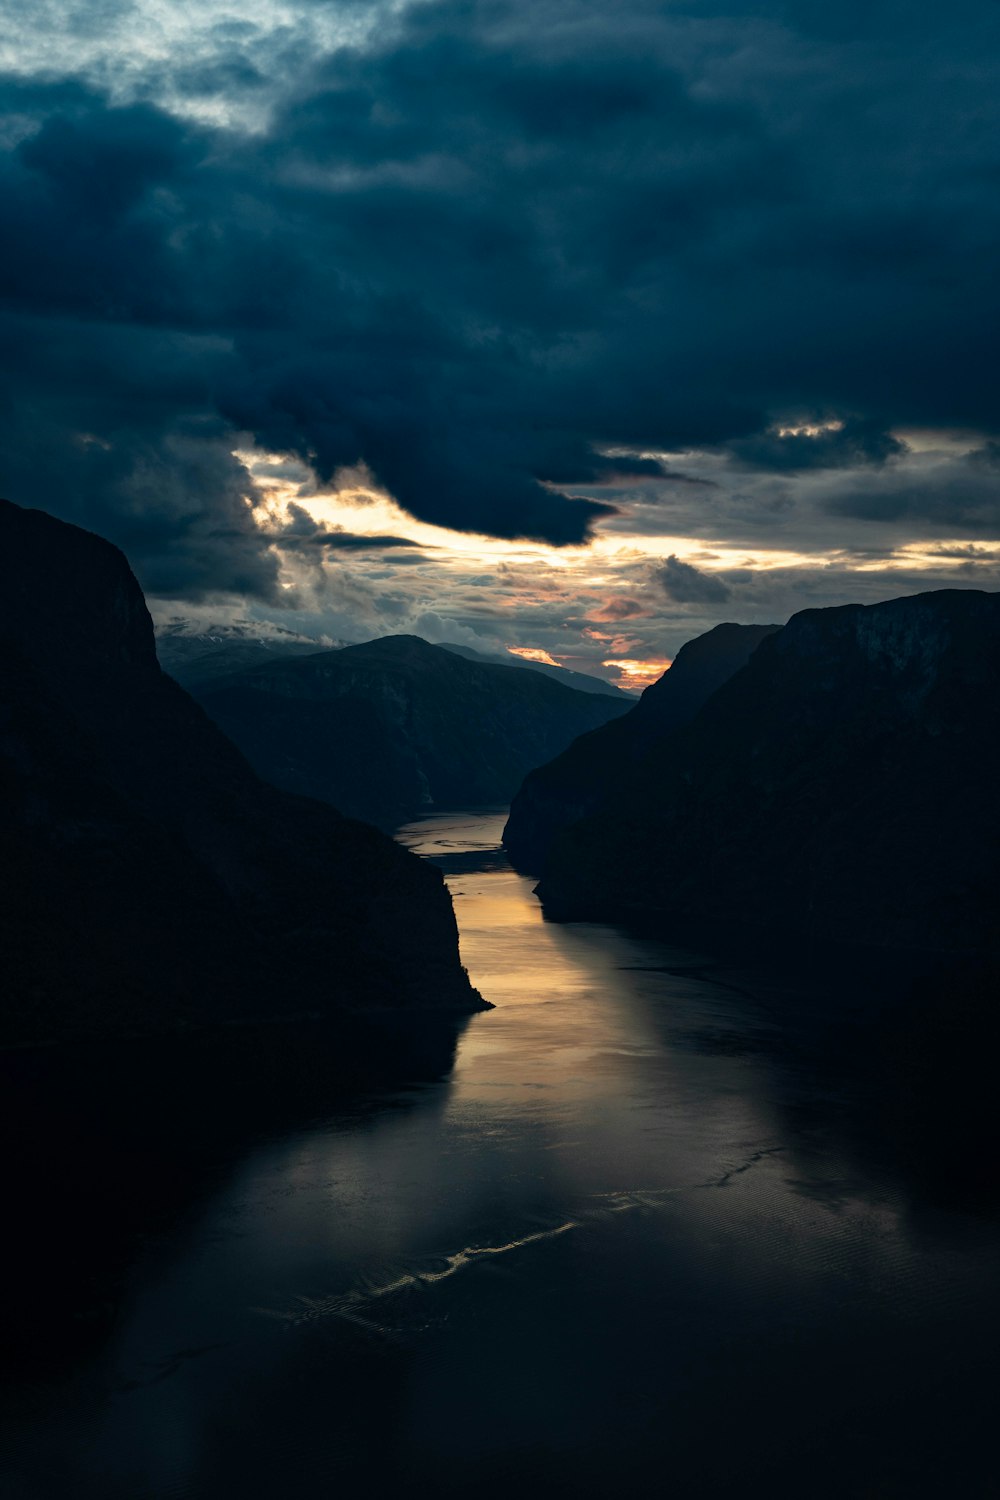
[(843, 785), (577, 783), (396, 726), (149, 879)]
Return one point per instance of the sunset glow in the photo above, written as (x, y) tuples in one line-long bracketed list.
[(618, 606), (533, 653), (634, 675)]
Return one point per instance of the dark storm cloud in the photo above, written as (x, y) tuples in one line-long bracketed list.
[(490, 244), (852, 443), (686, 584), (965, 498), (987, 457), (619, 607), (347, 541)]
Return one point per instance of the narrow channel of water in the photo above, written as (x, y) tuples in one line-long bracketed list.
[(652, 1229)]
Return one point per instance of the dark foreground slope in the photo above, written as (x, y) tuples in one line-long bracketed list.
[(149, 879), (395, 726), (578, 783), (842, 786)]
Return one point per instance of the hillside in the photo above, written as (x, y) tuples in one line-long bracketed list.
[(194, 654), (582, 681), (578, 783), (841, 786), (396, 726)]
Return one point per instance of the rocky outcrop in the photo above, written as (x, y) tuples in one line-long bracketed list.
[(394, 727), (841, 786), (577, 783), (150, 880)]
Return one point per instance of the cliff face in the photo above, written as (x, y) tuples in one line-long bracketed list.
[(578, 783), (842, 785), (149, 879), (396, 726)]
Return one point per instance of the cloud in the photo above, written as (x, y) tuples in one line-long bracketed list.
[(619, 607), (988, 456), (439, 629), (346, 541), (490, 249), (825, 445), (685, 584), (957, 497)]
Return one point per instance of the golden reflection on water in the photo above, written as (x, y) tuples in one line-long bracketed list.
[(618, 1227), (578, 1015)]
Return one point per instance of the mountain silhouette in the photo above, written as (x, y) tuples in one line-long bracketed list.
[(578, 782), (841, 786), (583, 681), (150, 880), (396, 726), (194, 654)]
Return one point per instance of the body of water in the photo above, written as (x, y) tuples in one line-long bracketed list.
[(659, 1225)]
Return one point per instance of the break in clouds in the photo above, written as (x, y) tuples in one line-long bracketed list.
[(717, 275)]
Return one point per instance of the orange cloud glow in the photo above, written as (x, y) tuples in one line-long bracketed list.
[(533, 653), (633, 675)]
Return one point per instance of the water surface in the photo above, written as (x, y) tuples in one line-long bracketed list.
[(654, 1228)]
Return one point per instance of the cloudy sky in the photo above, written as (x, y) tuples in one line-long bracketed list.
[(544, 324)]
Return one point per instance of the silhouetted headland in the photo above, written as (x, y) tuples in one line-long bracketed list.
[(588, 774), (151, 881), (842, 786)]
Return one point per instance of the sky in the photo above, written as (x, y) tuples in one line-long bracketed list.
[(565, 327)]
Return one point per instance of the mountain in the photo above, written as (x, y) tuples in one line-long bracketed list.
[(842, 786), (151, 881), (387, 729), (579, 781), (194, 654), (582, 681)]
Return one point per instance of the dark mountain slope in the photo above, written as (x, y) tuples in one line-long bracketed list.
[(842, 786), (578, 782), (582, 681), (148, 878), (192, 656), (394, 726)]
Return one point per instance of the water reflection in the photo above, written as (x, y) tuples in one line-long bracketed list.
[(643, 1233)]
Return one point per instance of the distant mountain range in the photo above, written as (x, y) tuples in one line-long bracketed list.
[(195, 655), (396, 726), (582, 681), (151, 881), (842, 786), (594, 768)]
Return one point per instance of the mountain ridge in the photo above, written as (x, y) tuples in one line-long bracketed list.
[(575, 784), (584, 682), (841, 787), (391, 727), (195, 655)]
